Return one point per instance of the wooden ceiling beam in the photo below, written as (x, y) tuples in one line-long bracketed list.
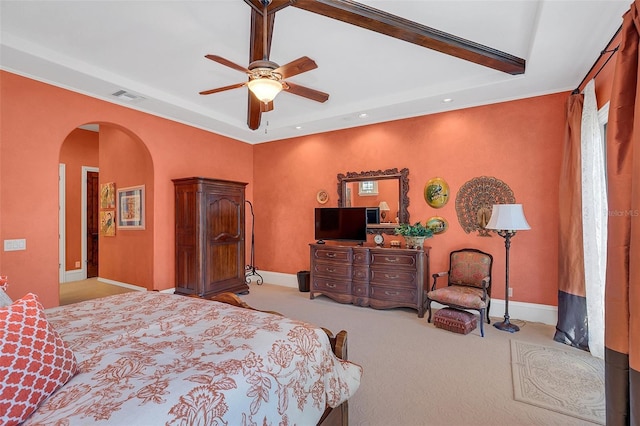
[(382, 22)]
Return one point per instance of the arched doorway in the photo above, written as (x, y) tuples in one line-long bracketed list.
[(92, 157)]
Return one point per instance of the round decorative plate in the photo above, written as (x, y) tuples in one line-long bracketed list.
[(436, 192), (437, 224), (322, 196)]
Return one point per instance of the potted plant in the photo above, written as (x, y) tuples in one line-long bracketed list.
[(414, 235)]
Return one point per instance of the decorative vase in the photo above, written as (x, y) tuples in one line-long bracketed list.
[(414, 242)]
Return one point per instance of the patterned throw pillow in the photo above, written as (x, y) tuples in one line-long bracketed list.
[(34, 360)]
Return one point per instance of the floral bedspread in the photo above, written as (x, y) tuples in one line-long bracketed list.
[(147, 358)]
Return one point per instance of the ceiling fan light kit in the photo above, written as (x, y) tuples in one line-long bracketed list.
[(265, 88)]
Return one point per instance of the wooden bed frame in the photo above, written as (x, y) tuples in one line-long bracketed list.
[(338, 416)]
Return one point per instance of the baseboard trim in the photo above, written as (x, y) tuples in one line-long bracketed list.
[(120, 284), (522, 311), (74, 275)]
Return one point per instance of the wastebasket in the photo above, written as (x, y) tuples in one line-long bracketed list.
[(303, 280)]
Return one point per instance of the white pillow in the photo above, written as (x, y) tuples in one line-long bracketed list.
[(5, 300)]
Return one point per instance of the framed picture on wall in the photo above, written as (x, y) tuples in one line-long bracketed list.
[(108, 195), (108, 223), (131, 208)]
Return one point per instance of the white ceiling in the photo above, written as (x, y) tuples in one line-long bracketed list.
[(155, 49)]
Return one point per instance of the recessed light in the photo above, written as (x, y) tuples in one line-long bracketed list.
[(298, 127), (363, 115), (447, 100)]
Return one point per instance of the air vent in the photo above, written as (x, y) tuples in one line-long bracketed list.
[(127, 96)]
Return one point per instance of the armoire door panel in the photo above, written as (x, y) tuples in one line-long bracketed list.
[(223, 216)]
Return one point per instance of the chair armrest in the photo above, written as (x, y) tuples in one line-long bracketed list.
[(435, 278)]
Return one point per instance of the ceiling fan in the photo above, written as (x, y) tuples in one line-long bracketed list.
[(261, 71), (266, 78)]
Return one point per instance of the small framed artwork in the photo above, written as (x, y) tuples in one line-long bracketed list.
[(437, 224), (108, 195), (322, 196), (108, 223), (131, 208), (436, 192)]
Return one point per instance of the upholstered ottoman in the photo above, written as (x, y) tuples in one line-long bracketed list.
[(455, 320)]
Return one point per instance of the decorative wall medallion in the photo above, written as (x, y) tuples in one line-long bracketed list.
[(436, 192), (437, 224), (322, 196), (475, 201)]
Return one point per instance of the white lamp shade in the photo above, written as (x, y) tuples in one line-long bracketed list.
[(265, 89), (508, 217), (384, 206)]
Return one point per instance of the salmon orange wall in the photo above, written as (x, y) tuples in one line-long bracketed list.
[(517, 142), (126, 257), (79, 149), (36, 119)]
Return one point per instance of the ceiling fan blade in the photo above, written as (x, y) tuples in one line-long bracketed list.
[(222, 89), (254, 112), (296, 67), (226, 62), (305, 92), (394, 26)]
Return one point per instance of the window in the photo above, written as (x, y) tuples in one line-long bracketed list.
[(368, 187)]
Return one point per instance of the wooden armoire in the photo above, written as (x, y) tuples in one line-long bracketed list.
[(210, 236)]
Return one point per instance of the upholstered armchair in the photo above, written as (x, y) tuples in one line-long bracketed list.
[(468, 284)]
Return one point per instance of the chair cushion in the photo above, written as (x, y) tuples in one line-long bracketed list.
[(469, 297), (469, 268)]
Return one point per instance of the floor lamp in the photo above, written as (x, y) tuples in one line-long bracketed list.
[(506, 219)]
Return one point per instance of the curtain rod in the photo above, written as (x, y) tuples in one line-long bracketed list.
[(612, 51)]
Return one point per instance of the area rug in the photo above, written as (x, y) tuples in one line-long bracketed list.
[(567, 381)]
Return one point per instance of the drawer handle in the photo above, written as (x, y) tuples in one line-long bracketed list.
[(391, 293), (331, 285), (331, 255), (391, 259), (391, 277), (330, 270)]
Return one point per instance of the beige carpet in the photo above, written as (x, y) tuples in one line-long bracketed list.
[(416, 374), (568, 381), (91, 288)]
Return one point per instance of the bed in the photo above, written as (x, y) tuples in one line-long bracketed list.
[(148, 358)]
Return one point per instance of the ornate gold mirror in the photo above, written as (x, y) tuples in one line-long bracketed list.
[(388, 189)]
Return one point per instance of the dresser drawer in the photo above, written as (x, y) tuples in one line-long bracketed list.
[(360, 256), (333, 254), (360, 290), (393, 294), (393, 258), (321, 284), (334, 270), (361, 273), (394, 278)]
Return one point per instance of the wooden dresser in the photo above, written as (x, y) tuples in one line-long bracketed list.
[(210, 240), (370, 276)]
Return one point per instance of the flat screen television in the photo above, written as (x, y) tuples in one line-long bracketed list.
[(341, 224)]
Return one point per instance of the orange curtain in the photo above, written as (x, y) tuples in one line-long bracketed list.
[(622, 294), (572, 326)]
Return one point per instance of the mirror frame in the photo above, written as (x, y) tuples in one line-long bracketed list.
[(403, 191)]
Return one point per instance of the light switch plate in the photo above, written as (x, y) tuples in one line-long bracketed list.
[(14, 245)]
